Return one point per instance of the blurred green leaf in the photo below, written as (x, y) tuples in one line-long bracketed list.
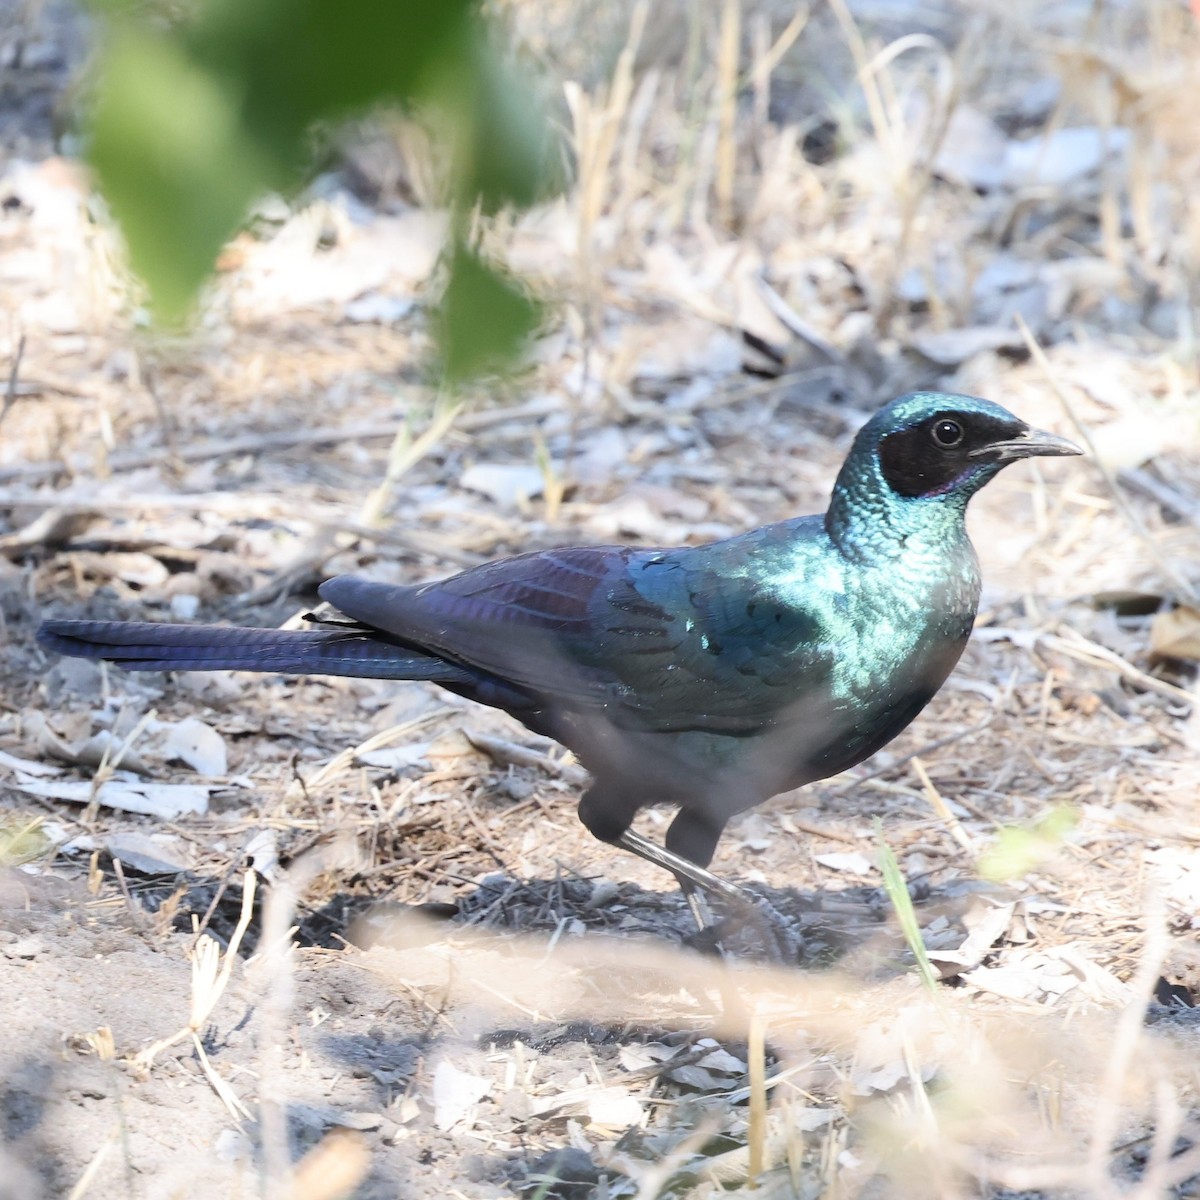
[(21, 841), (300, 61), (176, 166), (906, 914), (1019, 849), (508, 156), (485, 316), (194, 119)]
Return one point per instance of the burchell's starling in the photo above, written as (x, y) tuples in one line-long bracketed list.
[(709, 677)]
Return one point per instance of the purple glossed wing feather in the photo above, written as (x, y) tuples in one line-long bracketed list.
[(537, 620), (650, 637)]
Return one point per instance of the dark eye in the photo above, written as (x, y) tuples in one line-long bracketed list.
[(947, 433)]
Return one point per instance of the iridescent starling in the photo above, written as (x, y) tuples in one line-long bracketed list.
[(707, 677)]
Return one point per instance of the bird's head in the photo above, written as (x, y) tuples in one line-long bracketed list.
[(932, 451), (932, 444)]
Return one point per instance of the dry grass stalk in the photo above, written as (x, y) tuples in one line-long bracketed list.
[(333, 1168), (942, 809), (95, 1163), (769, 57), (14, 376), (971, 1050), (109, 763), (596, 125), (275, 960), (406, 451), (828, 1013), (728, 52), (211, 972), (756, 1058)]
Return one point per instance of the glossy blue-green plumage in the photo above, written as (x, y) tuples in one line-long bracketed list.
[(712, 676)]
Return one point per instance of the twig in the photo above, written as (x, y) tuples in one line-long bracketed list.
[(284, 439), (942, 808), (1165, 496), (61, 522), (511, 754), (928, 748), (10, 394), (1075, 645), (345, 759), (796, 324), (135, 913), (166, 428)]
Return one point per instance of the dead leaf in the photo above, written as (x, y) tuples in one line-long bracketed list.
[(263, 852), (987, 924), (151, 854), (455, 1094), (973, 150), (163, 800), (1062, 156), (614, 1108), (198, 745), (955, 346), (1176, 633), (396, 758), (847, 860), (508, 484), (27, 765), (82, 752)]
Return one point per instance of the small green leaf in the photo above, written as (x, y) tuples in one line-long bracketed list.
[(21, 841), (204, 106), (178, 172), (508, 154), (485, 317), (897, 893), (299, 61), (1019, 849)]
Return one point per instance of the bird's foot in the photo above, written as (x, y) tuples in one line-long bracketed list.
[(749, 923), (751, 928)]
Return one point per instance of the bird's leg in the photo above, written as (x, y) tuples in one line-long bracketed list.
[(683, 869), (697, 884), (607, 815), (697, 901)]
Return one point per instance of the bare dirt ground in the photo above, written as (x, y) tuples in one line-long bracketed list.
[(450, 988)]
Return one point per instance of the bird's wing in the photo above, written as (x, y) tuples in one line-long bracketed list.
[(658, 639)]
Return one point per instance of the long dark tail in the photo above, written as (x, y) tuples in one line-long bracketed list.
[(148, 646)]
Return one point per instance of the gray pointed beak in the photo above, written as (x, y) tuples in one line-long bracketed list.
[(1033, 443)]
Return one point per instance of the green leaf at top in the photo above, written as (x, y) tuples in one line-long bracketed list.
[(175, 164), (485, 317)]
